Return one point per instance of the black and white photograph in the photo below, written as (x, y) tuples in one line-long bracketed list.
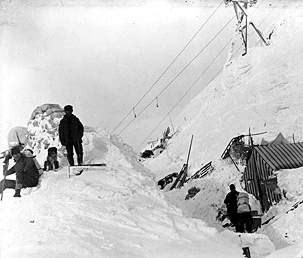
[(151, 128)]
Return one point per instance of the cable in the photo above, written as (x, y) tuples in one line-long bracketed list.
[(168, 66), (187, 91), (193, 84), (182, 70)]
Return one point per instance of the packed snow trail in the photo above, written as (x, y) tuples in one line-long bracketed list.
[(112, 211)]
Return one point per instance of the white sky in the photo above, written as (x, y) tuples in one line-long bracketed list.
[(102, 59)]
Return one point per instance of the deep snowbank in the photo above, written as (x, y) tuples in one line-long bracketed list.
[(261, 91), (114, 211)]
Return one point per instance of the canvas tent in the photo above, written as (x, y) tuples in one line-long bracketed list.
[(259, 176), (17, 135), (280, 139)]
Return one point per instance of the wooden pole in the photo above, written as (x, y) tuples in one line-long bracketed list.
[(183, 173), (191, 141), (259, 33), (234, 163), (4, 173), (68, 169)]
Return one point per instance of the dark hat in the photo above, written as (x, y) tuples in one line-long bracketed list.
[(68, 108), (15, 150), (232, 187)]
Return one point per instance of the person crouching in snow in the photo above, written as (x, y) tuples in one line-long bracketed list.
[(27, 174), (30, 154)]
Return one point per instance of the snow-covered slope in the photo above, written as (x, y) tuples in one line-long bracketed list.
[(260, 92), (114, 211)]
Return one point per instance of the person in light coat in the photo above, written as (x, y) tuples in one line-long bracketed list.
[(244, 218)]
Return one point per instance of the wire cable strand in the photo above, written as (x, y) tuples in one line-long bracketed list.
[(168, 66), (168, 113), (178, 74), (190, 88)]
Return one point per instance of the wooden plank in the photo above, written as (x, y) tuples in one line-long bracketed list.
[(178, 178), (91, 165)]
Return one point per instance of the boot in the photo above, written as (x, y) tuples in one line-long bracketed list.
[(17, 193), (80, 159)]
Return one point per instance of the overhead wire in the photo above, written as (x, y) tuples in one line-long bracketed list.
[(190, 88), (169, 65), (179, 73), (193, 84)]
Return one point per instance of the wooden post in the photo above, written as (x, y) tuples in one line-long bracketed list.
[(234, 163), (68, 169), (240, 8), (240, 14), (259, 33), (4, 173), (191, 141), (183, 173)]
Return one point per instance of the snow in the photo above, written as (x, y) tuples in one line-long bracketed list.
[(260, 92), (113, 211), (118, 210), (288, 222)]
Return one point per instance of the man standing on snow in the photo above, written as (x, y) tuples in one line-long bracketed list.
[(70, 135), (27, 174), (231, 204), (244, 218)]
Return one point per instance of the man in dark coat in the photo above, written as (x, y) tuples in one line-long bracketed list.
[(70, 135), (231, 204), (27, 174)]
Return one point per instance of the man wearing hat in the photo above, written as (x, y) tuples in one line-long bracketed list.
[(70, 135), (27, 174)]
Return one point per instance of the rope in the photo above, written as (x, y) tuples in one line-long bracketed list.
[(168, 66), (182, 70)]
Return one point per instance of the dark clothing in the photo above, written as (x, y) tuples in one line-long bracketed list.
[(70, 135), (27, 174), (244, 222), (79, 152), (231, 202), (7, 183), (26, 171), (70, 130)]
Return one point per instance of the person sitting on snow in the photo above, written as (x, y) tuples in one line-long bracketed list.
[(30, 154), (27, 174), (231, 204), (27, 152)]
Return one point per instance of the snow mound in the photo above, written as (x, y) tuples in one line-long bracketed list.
[(43, 129), (258, 92), (43, 134), (113, 211), (286, 227)]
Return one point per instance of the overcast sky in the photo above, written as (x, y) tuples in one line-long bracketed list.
[(102, 58)]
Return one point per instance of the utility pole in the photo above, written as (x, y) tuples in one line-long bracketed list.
[(240, 8)]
